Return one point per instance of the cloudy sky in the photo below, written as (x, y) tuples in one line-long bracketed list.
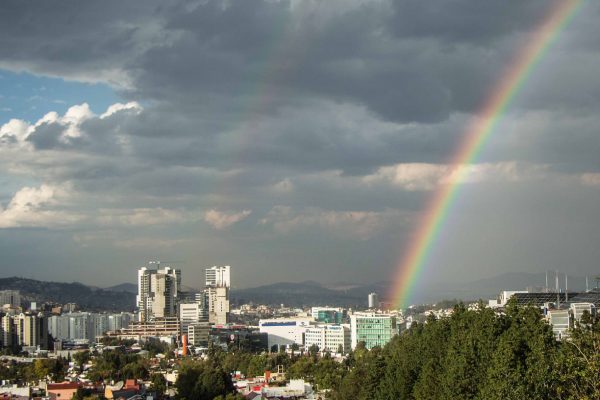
[(291, 139)]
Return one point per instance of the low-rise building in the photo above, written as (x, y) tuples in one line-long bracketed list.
[(285, 331), (328, 337), (371, 328)]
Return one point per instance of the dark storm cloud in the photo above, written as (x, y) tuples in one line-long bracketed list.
[(294, 115), (394, 58), (479, 22)]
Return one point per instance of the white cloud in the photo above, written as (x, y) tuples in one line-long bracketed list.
[(590, 179), (357, 224), (143, 216), (423, 176), (33, 207), (221, 220), (283, 187), (115, 108), (18, 131)]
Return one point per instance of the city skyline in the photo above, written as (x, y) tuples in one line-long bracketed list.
[(293, 140)]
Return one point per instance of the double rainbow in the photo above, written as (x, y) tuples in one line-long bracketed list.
[(418, 251)]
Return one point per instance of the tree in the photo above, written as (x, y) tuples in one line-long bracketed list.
[(202, 380), (158, 385)]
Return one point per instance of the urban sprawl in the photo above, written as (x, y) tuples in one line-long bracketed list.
[(170, 325)]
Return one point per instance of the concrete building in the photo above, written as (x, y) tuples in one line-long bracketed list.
[(158, 291), (119, 321), (328, 337), (218, 276), (9, 333), (216, 294), (58, 327), (198, 334), (218, 304), (329, 315), (577, 309), (285, 331), (164, 329), (564, 319), (11, 298), (373, 300), (32, 330), (191, 313), (86, 326), (371, 328)]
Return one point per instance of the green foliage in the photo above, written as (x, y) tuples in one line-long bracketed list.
[(203, 380), (577, 369), (158, 385), (118, 365), (477, 355)]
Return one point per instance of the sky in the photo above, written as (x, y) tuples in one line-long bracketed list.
[(293, 140)]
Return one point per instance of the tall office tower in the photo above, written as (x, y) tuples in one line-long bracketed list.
[(11, 297), (191, 313), (158, 291), (218, 304), (32, 330), (8, 332), (218, 276), (218, 282), (373, 300)]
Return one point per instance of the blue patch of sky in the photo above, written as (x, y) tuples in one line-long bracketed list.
[(29, 97)]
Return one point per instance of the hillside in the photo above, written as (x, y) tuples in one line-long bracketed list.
[(88, 298)]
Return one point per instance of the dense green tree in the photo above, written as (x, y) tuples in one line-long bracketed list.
[(158, 385), (577, 365), (202, 380)]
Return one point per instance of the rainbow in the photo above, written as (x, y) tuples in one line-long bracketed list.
[(419, 249)]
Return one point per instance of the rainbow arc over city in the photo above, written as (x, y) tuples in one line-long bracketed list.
[(416, 256)]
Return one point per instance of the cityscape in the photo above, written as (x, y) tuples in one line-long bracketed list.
[(169, 325), (299, 199)]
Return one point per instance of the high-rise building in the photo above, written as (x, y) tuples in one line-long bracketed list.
[(9, 334), (117, 322), (218, 282), (10, 297), (373, 300), (372, 329), (198, 333), (158, 291), (191, 313), (32, 330), (218, 304), (218, 276)]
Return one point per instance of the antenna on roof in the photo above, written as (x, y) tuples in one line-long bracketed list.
[(547, 281), (566, 288), (587, 284), (557, 290)]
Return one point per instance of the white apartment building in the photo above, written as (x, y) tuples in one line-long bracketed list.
[(218, 304), (198, 334), (190, 313), (373, 300), (328, 337), (120, 321), (218, 276), (285, 331), (10, 297), (158, 291)]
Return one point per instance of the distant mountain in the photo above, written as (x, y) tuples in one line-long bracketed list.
[(87, 298), (124, 287), (347, 294), (133, 288), (298, 294)]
